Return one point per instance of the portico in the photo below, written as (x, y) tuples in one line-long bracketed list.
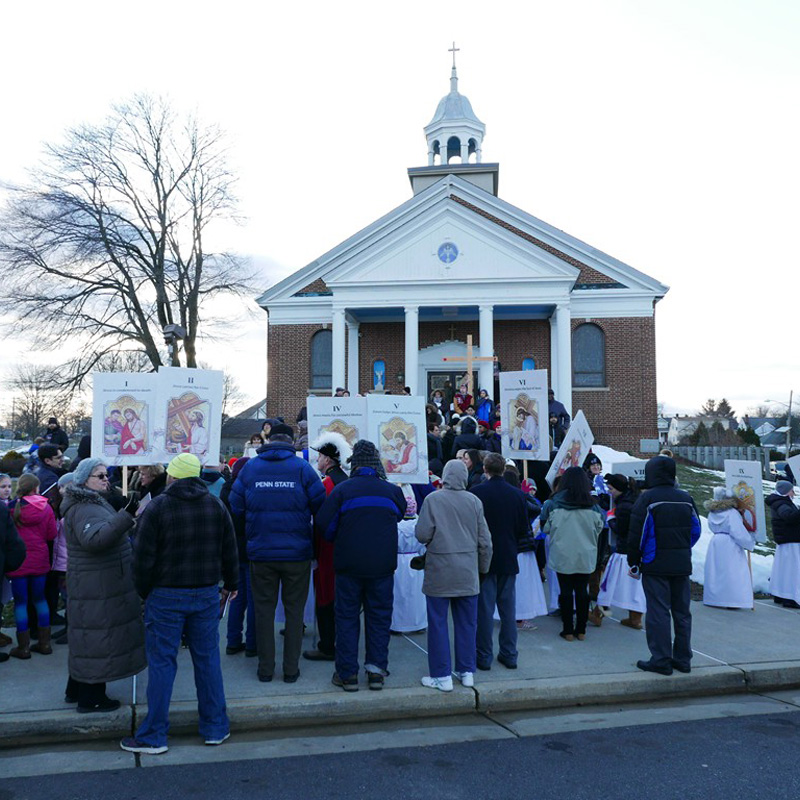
[(417, 363)]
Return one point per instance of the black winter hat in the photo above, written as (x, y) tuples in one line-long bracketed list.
[(280, 428), (617, 481), (365, 454)]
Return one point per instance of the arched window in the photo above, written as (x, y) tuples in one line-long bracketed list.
[(528, 364), (321, 360), (588, 356)]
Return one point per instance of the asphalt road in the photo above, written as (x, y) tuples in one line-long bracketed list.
[(735, 757)]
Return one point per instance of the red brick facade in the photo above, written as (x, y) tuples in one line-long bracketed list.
[(620, 414)]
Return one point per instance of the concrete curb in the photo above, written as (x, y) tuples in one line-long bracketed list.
[(771, 676), (324, 708), (520, 695)]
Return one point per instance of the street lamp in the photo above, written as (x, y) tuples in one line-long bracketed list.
[(788, 419), (172, 335)]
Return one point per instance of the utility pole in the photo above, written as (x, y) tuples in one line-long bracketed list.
[(789, 424)]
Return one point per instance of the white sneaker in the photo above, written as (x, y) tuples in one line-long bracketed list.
[(442, 684), (466, 678), (214, 742)]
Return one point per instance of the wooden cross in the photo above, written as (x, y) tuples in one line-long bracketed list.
[(452, 331), (454, 50), (470, 359)]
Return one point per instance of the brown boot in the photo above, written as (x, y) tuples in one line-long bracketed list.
[(23, 648), (634, 620), (43, 645), (5, 640), (596, 616)]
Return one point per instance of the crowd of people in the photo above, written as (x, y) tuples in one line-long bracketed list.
[(259, 538)]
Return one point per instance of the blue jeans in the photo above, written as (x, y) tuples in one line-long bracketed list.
[(376, 595), (241, 604), (20, 588), (465, 622), (166, 613), (500, 591)]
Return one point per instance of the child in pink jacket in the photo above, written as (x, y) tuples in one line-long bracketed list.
[(36, 525)]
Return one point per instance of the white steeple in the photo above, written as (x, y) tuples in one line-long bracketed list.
[(454, 131)]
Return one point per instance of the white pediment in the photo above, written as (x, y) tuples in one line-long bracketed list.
[(474, 250)]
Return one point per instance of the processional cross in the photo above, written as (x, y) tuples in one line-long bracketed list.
[(470, 359)]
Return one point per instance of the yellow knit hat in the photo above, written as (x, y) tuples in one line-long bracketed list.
[(184, 465)]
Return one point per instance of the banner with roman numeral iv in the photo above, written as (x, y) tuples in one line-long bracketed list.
[(344, 415), (523, 415)]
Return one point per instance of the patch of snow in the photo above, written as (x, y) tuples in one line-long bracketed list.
[(609, 456)]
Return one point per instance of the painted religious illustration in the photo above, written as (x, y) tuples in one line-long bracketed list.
[(189, 410), (399, 446), (396, 426), (122, 406), (574, 449), (345, 415), (523, 416), (743, 479), (187, 427)]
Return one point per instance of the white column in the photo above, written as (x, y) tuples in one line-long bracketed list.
[(465, 152), (337, 367), (352, 357), (563, 323), (412, 348), (486, 336), (553, 352)]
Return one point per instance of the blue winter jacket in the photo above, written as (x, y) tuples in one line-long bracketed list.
[(360, 516), (278, 493), (664, 525)]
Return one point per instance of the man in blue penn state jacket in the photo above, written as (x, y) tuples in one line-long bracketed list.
[(663, 529), (360, 517), (278, 495)]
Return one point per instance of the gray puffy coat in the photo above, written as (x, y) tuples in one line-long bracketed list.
[(452, 524), (106, 631)]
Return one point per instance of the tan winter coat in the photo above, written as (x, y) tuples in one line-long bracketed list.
[(452, 525), (106, 631)]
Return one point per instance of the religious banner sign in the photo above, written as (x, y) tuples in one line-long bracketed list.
[(523, 404), (189, 414), (123, 409), (344, 415), (574, 449), (632, 468), (743, 479), (396, 426)]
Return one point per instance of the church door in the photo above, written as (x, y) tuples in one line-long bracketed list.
[(440, 380)]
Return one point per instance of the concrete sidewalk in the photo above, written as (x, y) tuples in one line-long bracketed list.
[(735, 652)]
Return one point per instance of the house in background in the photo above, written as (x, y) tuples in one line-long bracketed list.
[(682, 426)]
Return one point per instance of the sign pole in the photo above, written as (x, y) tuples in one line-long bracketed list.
[(125, 480)]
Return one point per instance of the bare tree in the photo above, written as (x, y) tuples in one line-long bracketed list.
[(109, 242), (35, 397), (232, 395)]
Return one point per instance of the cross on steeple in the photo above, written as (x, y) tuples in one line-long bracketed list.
[(454, 50)]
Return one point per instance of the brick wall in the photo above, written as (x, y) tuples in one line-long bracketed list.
[(626, 412), (620, 415)]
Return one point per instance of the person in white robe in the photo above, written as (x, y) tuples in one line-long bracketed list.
[(784, 583), (728, 582), (409, 613)]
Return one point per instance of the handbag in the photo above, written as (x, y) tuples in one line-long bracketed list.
[(418, 562)]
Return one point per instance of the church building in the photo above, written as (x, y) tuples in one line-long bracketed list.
[(386, 307)]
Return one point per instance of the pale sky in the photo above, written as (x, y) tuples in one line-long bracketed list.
[(664, 133)]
